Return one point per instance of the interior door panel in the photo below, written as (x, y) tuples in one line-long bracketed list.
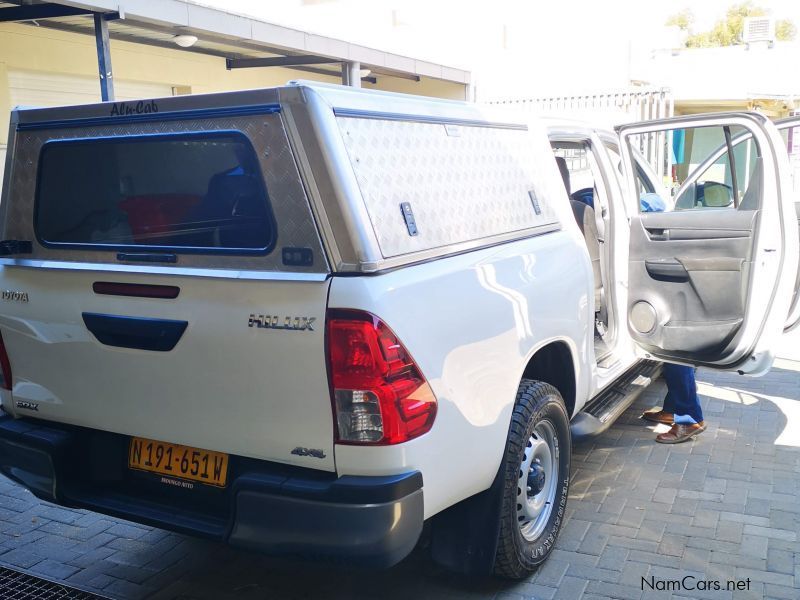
[(711, 284), (688, 280)]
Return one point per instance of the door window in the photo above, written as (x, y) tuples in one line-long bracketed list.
[(645, 189), (585, 183), (712, 168)]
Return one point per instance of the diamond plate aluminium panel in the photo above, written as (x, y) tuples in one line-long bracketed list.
[(464, 182), (290, 206)]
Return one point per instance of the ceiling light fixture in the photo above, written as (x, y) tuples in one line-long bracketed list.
[(185, 41)]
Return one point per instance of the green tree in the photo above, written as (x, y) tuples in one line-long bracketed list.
[(683, 20), (785, 30), (728, 31)]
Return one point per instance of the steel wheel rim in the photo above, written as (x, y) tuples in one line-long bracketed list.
[(538, 479)]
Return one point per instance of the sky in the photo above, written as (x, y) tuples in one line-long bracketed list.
[(513, 47)]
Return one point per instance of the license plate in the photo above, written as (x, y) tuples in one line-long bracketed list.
[(174, 460)]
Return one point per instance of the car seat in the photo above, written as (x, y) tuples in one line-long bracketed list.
[(585, 216)]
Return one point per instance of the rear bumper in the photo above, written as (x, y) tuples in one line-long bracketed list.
[(373, 521)]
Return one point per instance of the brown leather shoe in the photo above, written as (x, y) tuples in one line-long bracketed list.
[(658, 415), (680, 432)]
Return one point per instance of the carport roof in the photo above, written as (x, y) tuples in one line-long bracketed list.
[(229, 35)]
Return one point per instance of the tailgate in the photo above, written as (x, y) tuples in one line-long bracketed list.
[(225, 386), (215, 339)]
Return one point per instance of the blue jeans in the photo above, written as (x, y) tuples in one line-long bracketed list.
[(681, 399)]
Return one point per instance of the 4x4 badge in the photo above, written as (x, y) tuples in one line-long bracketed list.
[(315, 452), (275, 322)]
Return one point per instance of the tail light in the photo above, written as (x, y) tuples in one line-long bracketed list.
[(5, 367), (379, 394)]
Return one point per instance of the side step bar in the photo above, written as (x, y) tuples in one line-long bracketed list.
[(605, 408)]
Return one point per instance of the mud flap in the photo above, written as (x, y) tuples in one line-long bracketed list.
[(464, 537)]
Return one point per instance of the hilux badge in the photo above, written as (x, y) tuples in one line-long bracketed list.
[(276, 322)]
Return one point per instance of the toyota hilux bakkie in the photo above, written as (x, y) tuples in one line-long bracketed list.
[(315, 320)]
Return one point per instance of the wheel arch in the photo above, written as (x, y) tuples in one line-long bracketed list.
[(554, 363)]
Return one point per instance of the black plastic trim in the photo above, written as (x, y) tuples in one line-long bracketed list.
[(672, 270), (147, 257), (369, 520), (347, 489), (139, 333)]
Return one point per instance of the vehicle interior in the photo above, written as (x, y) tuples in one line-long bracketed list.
[(587, 196)]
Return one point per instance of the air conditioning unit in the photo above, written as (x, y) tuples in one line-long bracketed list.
[(758, 29)]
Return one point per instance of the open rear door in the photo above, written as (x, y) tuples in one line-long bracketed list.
[(790, 132), (712, 274)]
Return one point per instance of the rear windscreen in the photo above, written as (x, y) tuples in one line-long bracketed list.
[(186, 192)]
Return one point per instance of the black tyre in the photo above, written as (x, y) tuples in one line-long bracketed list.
[(536, 480)]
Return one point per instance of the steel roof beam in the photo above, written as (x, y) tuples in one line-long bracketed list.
[(349, 72), (279, 61), (33, 12)]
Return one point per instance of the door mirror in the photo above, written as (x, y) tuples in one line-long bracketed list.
[(686, 198), (713, 194)]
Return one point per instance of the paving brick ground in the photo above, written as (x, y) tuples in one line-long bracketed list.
[(724, 507)]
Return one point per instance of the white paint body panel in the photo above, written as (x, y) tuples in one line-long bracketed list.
[(472, 322)]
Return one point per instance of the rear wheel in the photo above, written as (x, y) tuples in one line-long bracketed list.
[(536, 480)]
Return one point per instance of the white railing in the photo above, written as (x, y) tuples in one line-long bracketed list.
[(608, 109)]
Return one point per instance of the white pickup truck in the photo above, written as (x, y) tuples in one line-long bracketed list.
[(311, 320)]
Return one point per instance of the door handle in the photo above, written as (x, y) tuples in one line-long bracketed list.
[(672, 270), (657, 234)]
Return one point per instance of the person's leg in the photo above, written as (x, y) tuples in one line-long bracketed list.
[(688, 416), (683, 393), (665, 414), (669, 402)]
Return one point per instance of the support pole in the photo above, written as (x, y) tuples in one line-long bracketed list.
[(104, 57), (351, 74)]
